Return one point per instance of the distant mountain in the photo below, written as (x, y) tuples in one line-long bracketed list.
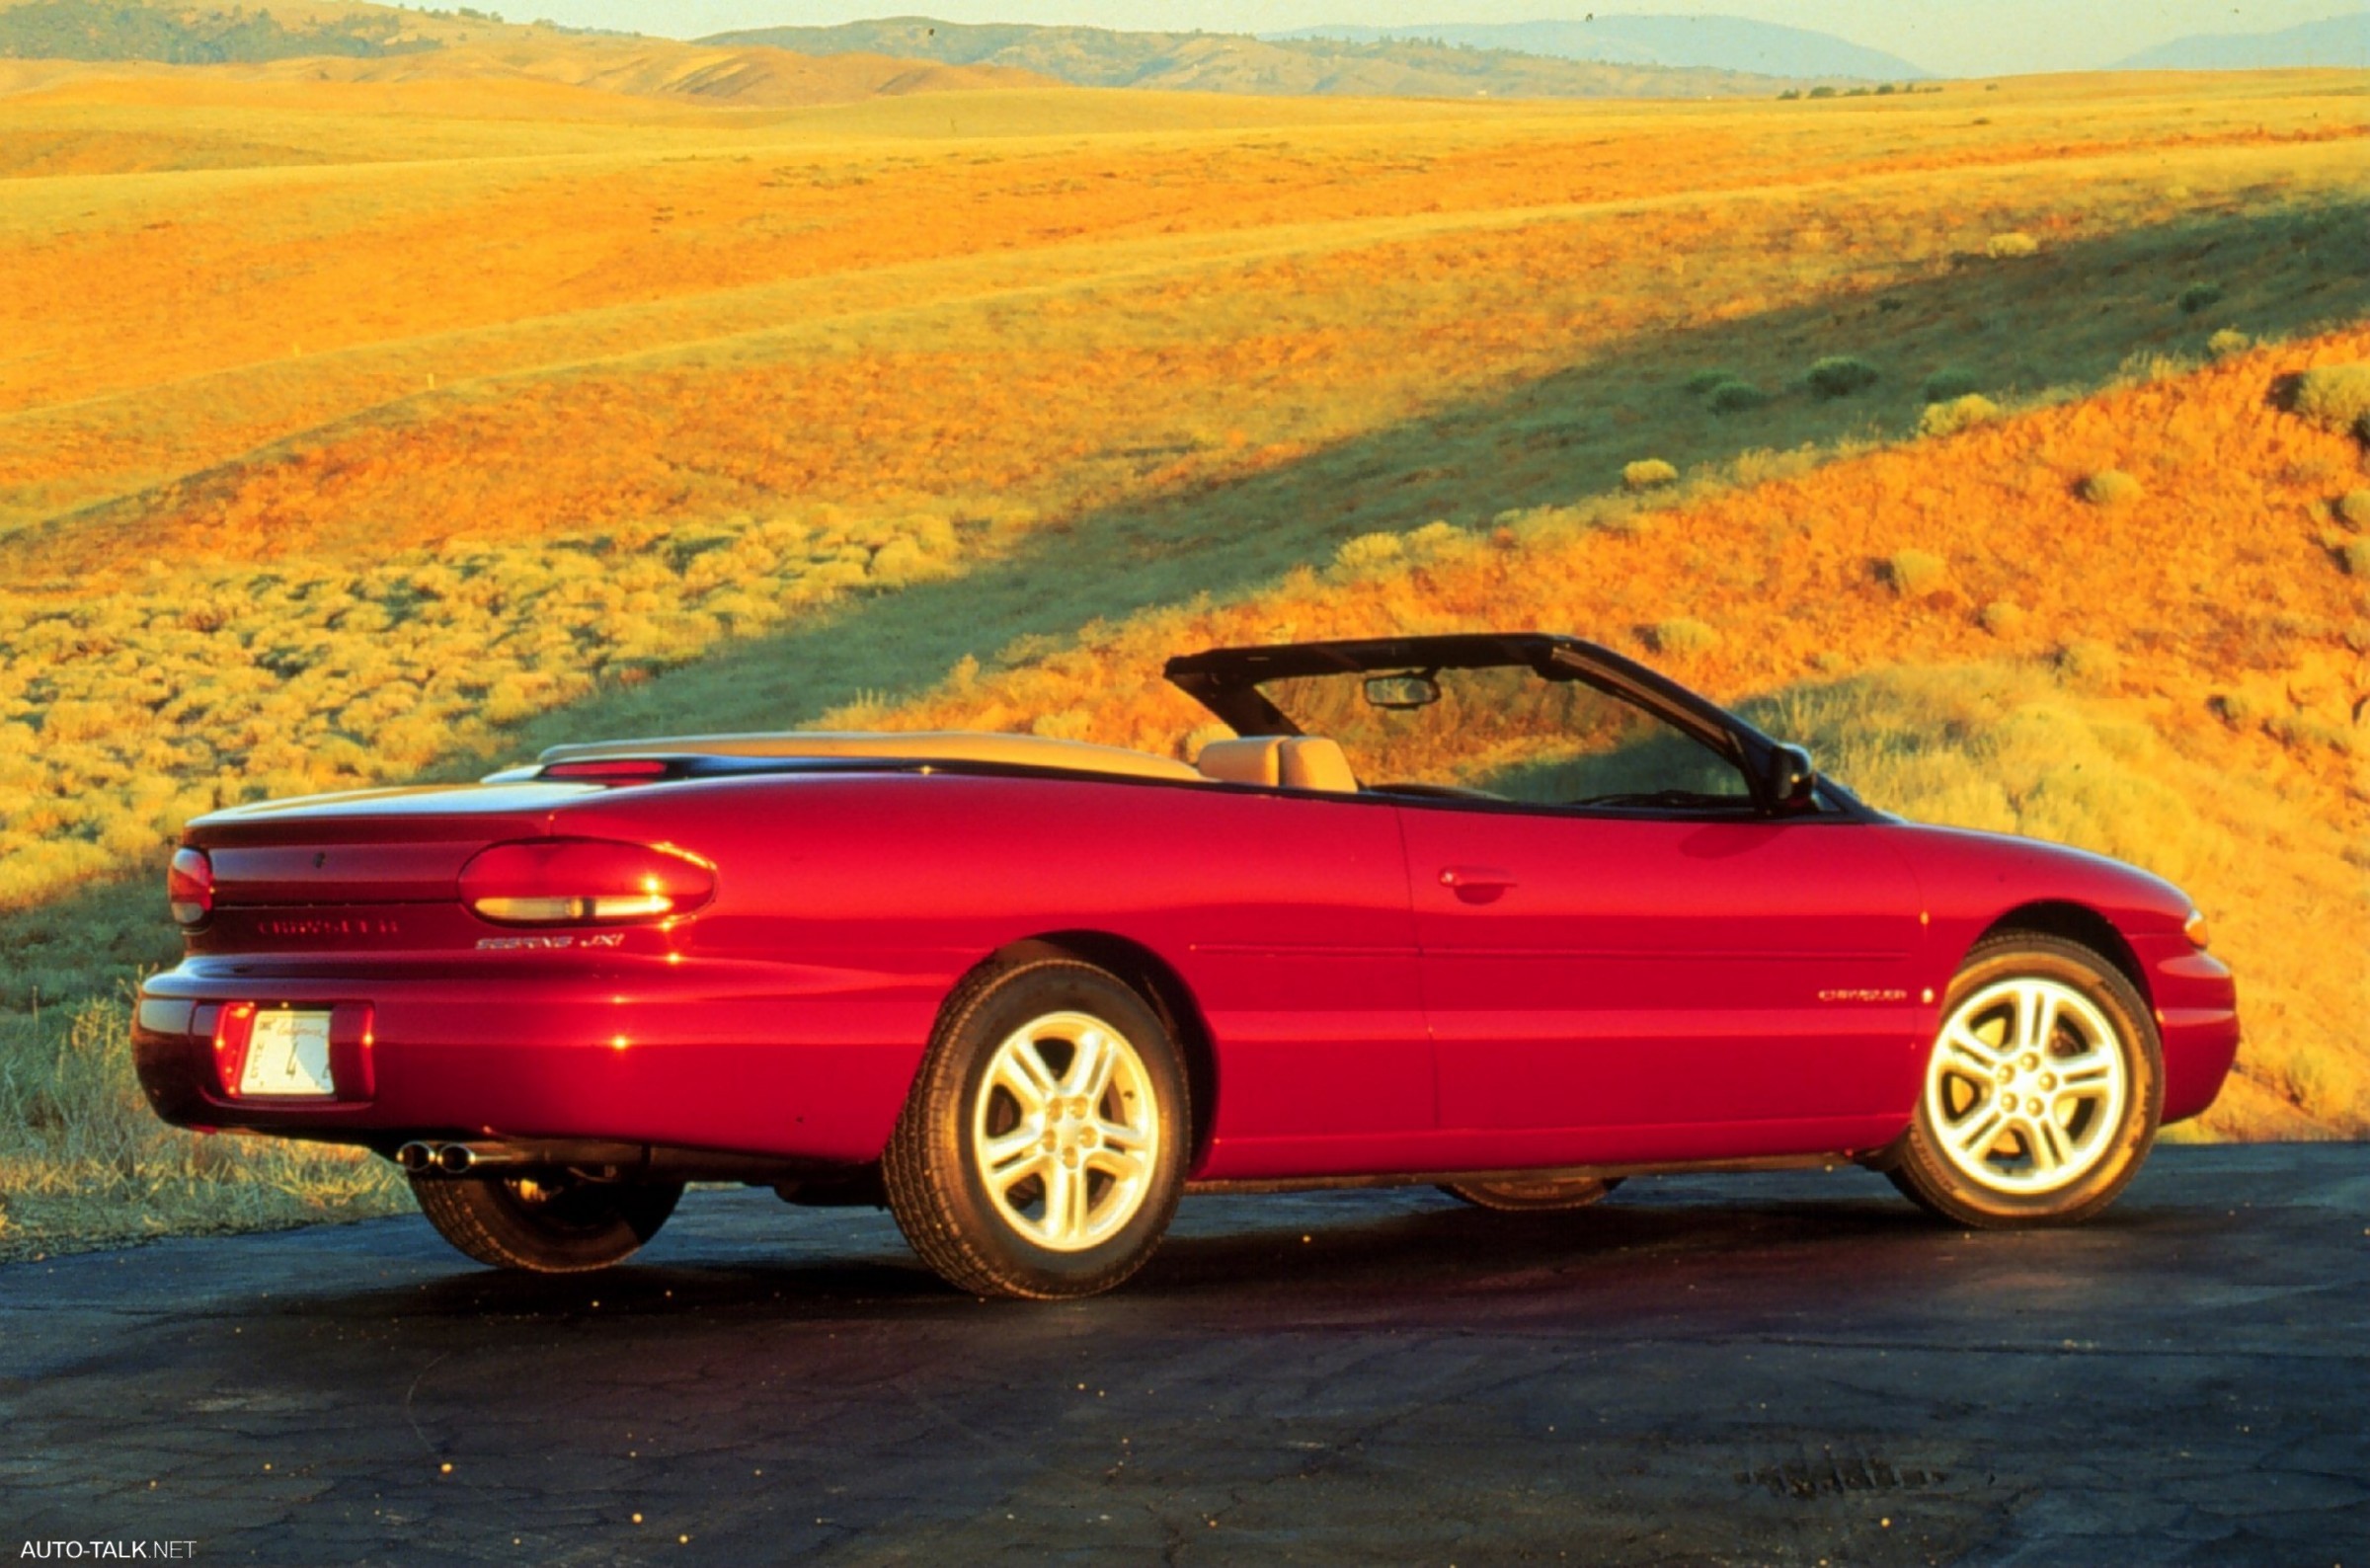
[(1233, 63), (2338, 41), (1727, 44)]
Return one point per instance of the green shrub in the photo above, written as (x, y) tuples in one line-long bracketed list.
[(1703, 381), (1649, 473), (2003, 617), (2199, 297), (2354, 557), (1681, 636), (1822, 92), (2353, 508), (2110, 487), (2334, 396), (1944, 385), (1839, 375), (2229, 341), (2014, 243), (1949, 419), (1735, 397), (1914, 573)]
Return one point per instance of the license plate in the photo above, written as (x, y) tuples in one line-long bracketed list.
[(288, 1054)]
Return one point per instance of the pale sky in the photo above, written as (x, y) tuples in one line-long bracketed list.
[(1950, 37)]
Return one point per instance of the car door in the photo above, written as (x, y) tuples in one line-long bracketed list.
[(1633, 984)]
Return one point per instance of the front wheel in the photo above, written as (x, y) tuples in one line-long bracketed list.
[(1043, 1149), (552, 1223), (2042, 1092)]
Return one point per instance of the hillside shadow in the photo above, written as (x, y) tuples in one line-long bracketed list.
[(2066, 320)]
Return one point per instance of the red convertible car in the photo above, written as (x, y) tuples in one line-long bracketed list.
[(1508, 913)]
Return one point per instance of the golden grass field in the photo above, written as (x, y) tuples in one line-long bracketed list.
[(360, 427)]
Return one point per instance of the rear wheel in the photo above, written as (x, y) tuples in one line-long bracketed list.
[(1042, 1152), (1540, 1195), (2043, 1093), (551, 1222)]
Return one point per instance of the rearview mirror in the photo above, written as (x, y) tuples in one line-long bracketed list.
[(1793, 782), (1401, 692)]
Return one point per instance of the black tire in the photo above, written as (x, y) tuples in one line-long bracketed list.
[(546, 1224), (982, 1243), (1517, 1195), (2115, 1147)]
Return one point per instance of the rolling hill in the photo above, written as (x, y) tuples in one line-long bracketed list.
[(348, 41), (1224, 63), (1728, 44)]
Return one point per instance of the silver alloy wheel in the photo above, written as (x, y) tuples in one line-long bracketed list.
[(2027, 1086), (1065, 1130)]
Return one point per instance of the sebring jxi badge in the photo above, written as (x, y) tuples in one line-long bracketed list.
[(547, 943)]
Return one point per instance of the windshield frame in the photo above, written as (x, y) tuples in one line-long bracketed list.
[(1226, 680)]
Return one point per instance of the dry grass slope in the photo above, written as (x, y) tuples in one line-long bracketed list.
[(434, 412)]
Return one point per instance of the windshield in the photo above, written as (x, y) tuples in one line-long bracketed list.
[(1507, 731)]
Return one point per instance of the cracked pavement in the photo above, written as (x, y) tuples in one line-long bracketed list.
[(1705, 1370)]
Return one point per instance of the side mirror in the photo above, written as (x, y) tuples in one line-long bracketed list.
[(1400, 693), (1793, 782)]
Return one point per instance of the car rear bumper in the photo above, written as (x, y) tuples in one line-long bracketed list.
[(793, 1062)]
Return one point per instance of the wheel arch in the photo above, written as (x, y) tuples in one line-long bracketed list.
[(2078, 924), (1162, 989)]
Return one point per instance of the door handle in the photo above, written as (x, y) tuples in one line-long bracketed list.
[(1476, 883)]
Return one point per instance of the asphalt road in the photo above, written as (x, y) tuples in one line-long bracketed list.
[(1771, 1369)]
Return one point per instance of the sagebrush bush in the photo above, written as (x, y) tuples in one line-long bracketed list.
[(1840, 375), (2110, 487), (2089, 661), (2241, 710), (2199, 297), (1681, 635), (1914, 573), (2013, 243), (1650, 474), (1703, 381), (2229, 341), (2335, 396), (2003, 617), (1735, 397), (1947, 384), (1949, 419), (2353, 508), (2354, 555)]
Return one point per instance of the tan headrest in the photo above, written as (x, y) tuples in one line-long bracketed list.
[(1312, 762), (1252, 761)]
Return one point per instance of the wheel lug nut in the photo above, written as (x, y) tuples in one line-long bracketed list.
[(2029, 1061), (1069, 1157), (2033, 1105), (2048, 1080)]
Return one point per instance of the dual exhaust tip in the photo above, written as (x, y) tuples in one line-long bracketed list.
[(456, 1159)]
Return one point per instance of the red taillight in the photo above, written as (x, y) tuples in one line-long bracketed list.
[(233, 1031), (190, 885), (584, 881)]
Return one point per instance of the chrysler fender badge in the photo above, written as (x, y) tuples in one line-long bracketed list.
[(1865, 994)]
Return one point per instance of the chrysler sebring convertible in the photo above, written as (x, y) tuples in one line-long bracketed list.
[(1510, 914)]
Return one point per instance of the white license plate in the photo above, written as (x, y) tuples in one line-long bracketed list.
[(288, 1054)]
